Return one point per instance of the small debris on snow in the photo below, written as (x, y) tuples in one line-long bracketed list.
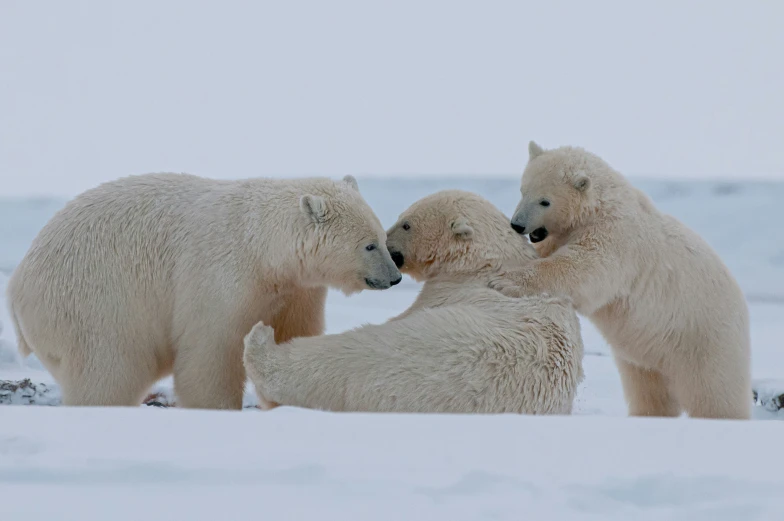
[(25, 392), (769, 394)]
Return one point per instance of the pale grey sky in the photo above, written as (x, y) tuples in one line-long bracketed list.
[(93, 90)]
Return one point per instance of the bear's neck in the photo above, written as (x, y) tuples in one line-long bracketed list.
[(287, 255)]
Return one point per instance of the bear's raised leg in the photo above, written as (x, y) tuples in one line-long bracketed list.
[(302, 314), (720, 389), (257, 345), (208, 372), (646, 391)]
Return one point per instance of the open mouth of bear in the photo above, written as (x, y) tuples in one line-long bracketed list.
[(397, 258), (538, 235)]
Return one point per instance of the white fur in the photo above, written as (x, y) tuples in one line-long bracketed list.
[(671, 310), (162, 273), (460, 348)]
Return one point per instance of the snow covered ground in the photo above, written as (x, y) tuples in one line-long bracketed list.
[(109, 464), (122, 464)]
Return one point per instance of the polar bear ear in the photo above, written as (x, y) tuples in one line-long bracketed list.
[(314, 207), (581, 182), (351, 181), (462, 229), (534, 150)]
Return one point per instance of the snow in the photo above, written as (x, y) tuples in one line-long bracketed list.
[(133, 464), (298, 464)]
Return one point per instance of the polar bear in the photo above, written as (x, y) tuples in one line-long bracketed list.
[(460, 348), (166, 273), (675, 317)]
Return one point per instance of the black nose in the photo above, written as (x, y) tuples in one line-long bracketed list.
[(397, 281), (397, 258), (519, 229)]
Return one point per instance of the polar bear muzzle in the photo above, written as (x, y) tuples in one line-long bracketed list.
[(379, 284), (519, 229)]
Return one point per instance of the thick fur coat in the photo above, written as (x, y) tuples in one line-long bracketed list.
[(460, 348), (673, 313), (166, 273)]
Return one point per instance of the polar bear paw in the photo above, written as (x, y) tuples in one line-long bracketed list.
[(259, 362), (258, 344), (260, 335)]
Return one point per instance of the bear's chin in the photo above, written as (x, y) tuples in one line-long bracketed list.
[(351, 288), (538, 235)]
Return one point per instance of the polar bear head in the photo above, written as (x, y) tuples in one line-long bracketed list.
[(453, 231), (345, 246), (560, 189)]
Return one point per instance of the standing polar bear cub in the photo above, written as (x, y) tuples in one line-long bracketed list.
[(460, 348), (675, 317), (165, 273)]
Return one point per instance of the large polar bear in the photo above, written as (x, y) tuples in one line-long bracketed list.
[(461, 347), (166, 273), (675, 317)]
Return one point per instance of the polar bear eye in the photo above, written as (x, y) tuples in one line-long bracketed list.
[(370, 247), (406, 226), (544, 202)]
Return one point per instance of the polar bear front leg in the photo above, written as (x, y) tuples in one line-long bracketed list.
[(588, 278), (208, 370), (259, 363), (646, 391)]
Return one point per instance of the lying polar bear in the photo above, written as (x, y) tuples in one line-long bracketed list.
[(460, 348)]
